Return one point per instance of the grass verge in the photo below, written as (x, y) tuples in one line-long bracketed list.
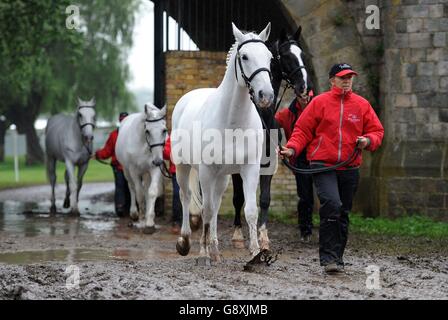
[(36, 174), (410, 226)]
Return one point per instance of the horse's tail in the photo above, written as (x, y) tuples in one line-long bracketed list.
[(196, 204)]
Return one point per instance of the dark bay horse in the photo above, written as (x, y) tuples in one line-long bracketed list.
[(287, 64)]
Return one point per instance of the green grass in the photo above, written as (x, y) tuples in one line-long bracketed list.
[(413, 226), (35, 175), (410, 226)]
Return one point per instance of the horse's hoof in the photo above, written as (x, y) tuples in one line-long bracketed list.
[(216, 258), (254, 252), (149, 230), (66, 203), (134, 216), (183, 246), (264, 246), (53, 209), (238, 244), (203, 261), (195, 222)]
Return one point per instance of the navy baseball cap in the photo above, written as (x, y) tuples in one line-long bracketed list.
[(340, 70)]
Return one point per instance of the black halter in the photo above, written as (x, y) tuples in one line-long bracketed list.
[(87, 123), (247, 80), (288, 77), (81, 126), (161, 144)]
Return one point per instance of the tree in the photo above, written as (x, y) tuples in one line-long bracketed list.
[(44, 65)]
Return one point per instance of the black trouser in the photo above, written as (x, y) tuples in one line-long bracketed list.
[(335, 190), (122, 194), (177, 206), (304, 183)]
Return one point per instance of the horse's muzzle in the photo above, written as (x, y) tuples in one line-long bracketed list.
[(264, 99)]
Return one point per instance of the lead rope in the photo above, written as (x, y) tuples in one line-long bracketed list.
[(165, 172), (294, 169)]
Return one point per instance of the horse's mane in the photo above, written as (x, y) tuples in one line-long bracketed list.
[(229, 54), (235, 45)]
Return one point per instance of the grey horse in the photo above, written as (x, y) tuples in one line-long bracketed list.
[(69, 139)]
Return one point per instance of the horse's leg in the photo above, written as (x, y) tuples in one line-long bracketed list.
[(139, 193), (133, 210), (154, 190), (81, 172), (146, 180), (250, 175), (220, 187), (208, 183), (51, 171), (265, 201), (67, 191), (183, 177), (73, 187), (238, 201)]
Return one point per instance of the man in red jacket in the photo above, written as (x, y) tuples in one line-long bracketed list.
[(122, 194), (287, 118), (331, 126)]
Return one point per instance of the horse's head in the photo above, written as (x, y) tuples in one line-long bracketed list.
[(155, 131), (252, 65), (289, 58), (86, 117)]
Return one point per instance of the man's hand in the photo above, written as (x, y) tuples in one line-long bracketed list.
[(93, 156), (285, 152), (362, 142)]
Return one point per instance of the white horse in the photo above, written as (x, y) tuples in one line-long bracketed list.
[(139, 149), (217, 110), (69, 139)]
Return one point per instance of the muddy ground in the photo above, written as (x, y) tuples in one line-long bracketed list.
[(117, 262)]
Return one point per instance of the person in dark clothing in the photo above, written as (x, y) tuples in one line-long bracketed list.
[(331, 127), (287, 119), (177, 205), (122, 195)]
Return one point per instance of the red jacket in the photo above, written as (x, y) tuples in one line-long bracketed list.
[(287, 117), (167, 155), (108, 151), (330, 125)]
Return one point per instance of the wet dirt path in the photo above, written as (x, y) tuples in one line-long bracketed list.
[(117, 262)]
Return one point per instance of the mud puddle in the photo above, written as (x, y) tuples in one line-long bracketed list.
[(79, 255), (118, 262)]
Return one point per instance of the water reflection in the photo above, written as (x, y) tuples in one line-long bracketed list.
[(32, 219), (78, 255)]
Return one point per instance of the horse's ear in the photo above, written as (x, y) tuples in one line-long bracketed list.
[(149, 106), (163, 110), (264, 35), (93, 101), (237, 34), (297, 34), (79, 102)]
